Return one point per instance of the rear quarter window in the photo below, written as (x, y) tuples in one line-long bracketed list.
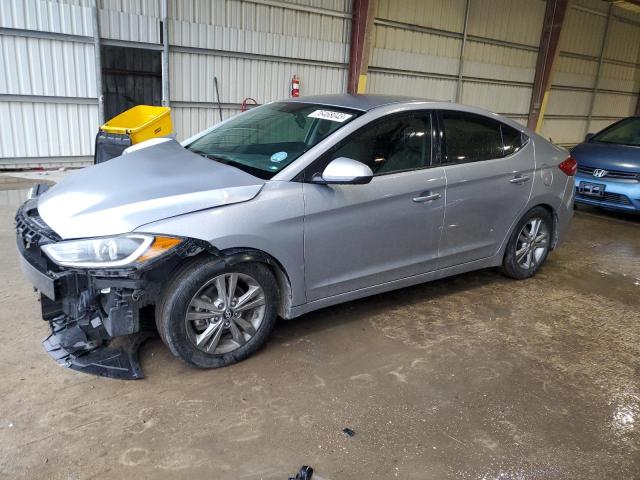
[(512, 139)]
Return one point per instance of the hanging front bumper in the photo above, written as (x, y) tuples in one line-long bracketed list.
[(94, 317), (115, 359)]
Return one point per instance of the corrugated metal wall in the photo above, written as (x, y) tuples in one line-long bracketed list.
[(418, 50), (253, 48), (47, 80), (480, 52), (596, 78)]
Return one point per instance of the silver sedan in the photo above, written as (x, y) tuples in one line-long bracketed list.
[(287, 208)]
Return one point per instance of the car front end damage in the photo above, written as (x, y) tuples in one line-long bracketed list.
[(99, 317)]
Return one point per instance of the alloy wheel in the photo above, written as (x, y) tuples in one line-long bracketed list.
[(225, 313), (532, 243)]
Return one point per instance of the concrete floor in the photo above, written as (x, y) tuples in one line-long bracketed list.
[(472, 377)]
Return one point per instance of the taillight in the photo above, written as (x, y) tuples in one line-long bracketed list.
[(569, 166)]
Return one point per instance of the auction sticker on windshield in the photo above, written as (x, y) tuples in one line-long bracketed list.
[(330, 115)]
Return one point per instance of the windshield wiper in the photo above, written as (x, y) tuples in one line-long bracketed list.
[(213, 156)]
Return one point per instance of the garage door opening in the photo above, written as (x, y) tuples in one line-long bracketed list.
[(130, 77)]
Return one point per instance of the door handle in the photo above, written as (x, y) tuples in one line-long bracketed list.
[(427, 198), (520, 179)]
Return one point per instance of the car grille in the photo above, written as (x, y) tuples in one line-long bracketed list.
[(611, 173), (609, 197), (30, 226)]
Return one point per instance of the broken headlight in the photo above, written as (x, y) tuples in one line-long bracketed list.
[(107, 252)]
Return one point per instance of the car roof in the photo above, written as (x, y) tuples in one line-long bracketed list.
[(357, 102)]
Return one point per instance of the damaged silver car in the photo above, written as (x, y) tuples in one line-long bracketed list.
[(287, 208)]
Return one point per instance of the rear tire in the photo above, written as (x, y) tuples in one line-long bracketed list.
[(212, 315), (529, 244)]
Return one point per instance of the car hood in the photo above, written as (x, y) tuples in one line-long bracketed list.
[(608, 156), (149, 184)]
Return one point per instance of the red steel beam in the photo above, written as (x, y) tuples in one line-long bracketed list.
[(548, 51), (361, 29)]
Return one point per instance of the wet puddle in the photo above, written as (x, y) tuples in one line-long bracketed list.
[(623, 287), (14, 190)]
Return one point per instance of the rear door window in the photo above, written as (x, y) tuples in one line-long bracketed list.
[(473, 138)]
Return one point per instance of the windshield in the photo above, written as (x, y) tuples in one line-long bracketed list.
[(266, 139), (625, 132)]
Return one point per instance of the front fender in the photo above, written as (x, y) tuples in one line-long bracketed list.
[(271, 223)]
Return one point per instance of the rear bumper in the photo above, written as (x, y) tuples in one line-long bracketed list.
[(618, 195)]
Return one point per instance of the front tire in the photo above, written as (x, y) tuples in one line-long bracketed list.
[(212, 315), (529, 244)]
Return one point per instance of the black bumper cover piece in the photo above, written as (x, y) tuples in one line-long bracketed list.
[(118, 359)]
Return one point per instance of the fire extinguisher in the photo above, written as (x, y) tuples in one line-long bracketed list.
[(295, 86)]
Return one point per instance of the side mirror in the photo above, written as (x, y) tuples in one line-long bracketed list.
[(345, 171), (588, 136)]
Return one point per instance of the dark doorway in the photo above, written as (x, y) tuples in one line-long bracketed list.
[(130, 77)]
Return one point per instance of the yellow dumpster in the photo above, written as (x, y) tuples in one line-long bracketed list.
[(136, 125), (141, 123)]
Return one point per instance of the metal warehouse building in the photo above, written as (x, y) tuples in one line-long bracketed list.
[(67, 65)]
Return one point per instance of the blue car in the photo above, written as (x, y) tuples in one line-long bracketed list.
[(609, 167)]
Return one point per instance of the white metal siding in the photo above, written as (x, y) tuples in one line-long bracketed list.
[(129, 26), (265, 80), (582, 32), (401, 49), (614, 105), (621, 44), (420, 86), (620, 77), (417, 43), (48, 108), (562, 130), (149, 8), (568, 102), (47, 16), (507, 99), (273, 17), (574, 72), (46, 129), (439, 14), (499, 62), (254, 47), (34, 66), (518, 21), (232, 39)]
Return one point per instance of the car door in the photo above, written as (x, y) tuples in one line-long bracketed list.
[(489, 168), (357, 236)]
